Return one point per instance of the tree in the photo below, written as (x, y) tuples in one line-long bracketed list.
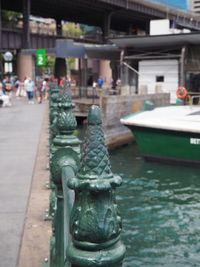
[(48, 69), (10, 16), (71, 30)]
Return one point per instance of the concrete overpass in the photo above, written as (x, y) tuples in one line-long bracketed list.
[(120, 15), (12, 39)]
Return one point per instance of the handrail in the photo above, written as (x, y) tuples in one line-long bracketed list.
[(192, 96)]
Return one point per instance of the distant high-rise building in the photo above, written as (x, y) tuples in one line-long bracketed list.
[(178, 4), (194, 6)]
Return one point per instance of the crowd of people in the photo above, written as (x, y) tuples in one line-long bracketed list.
[(36, 91)]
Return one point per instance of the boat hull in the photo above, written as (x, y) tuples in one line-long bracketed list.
[(173, 146)]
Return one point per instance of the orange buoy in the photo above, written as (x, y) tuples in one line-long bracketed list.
[(181, 92)]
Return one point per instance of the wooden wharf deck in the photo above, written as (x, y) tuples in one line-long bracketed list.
[(82, 106)]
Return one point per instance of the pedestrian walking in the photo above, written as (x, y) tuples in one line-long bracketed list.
[(40, 90), (100, 82), (29, 87), (4, 99)]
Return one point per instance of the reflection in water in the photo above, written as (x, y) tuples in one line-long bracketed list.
[(160, 209)]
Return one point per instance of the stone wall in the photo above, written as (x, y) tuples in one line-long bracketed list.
[(115, 107)]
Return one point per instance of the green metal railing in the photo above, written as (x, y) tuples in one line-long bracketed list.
[(86, 224)]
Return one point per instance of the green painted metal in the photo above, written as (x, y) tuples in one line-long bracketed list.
[(95, 223), (65, 123), (53, 111), (65, 151), (166, 144), (62, 158), (62, 125), (67, 173)]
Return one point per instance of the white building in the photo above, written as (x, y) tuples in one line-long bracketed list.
[(194, 6), (158, 76)]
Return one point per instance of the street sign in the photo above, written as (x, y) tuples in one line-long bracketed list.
[(40, 57)]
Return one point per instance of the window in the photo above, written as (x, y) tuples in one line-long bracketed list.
[(160, 79)]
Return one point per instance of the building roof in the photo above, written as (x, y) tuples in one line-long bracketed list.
[(157, 41), (68, 48)]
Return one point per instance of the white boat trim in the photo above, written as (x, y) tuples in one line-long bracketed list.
[(174, 118)]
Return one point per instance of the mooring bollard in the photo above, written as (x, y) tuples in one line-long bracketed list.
[(95, 224)]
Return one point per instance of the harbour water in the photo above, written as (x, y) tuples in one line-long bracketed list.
[(160, 210)]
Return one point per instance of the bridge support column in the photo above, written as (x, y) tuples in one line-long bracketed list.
[(83, 76), (106, 26), (26, 28), (59, 27), (125, 88), (25, 66), (60, 68), (105, 71)]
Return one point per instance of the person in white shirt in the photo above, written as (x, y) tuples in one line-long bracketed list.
[(29, 86), (4, 98)]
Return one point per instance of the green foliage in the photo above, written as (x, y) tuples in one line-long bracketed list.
[(50, 61), (49, 68), (71, 63), (71, 30), (10, 16), (76, 132)]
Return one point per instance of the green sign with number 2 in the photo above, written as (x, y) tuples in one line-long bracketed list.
[(40, 57)]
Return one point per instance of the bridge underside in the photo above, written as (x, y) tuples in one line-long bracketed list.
[(122, 14)]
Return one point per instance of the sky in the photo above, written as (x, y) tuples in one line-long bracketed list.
[(182, 4)]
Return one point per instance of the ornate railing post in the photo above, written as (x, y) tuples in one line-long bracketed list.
[(65, 152), (95, 224), (53, 112)]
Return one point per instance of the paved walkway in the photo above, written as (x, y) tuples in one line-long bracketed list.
[(20, 133)]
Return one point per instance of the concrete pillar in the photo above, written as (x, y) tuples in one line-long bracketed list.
[(83, 66), (59, 27), (106, 26), (79, 72), (125, 88), (105, 71), (26, 28), (60, 68), (25, 66), (147, 27), (85, 76)]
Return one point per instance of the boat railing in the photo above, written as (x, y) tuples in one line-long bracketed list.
[(193, 98)]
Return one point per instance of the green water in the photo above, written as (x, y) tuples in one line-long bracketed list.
[(160, 210)]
